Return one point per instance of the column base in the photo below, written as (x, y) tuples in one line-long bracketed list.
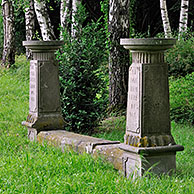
[(32, 134), (44, 122), (149, 141), (158, 160)]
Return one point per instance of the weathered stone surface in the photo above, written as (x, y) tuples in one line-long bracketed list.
[(43, 47), (112, 153), (32, 134), (148, 145), (148, 112), (77, 142), (80, 143), (44, 100), (151, 150), (147, 44), (136, 165), (130, 160), (158, 160), (148, 130)]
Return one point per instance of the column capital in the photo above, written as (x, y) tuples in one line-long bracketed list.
[(37, 46), (147, 44)]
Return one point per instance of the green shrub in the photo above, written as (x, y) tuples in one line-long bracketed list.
[(81, 74), (182, 98), (180, 57)]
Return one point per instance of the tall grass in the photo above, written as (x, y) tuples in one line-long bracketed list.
[(27, 167)]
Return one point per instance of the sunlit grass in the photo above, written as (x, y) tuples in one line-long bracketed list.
[(27, 167)]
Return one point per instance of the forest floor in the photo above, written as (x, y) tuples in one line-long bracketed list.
[(28, 167)]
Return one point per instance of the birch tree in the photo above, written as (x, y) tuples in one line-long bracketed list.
[(65, 14), (75, 5), (165, 19), (30, 24), (118, 57), (183, 16), (44, 21), (8, 57)]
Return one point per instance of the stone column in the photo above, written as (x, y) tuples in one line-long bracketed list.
[(44, 100), (148, 127)]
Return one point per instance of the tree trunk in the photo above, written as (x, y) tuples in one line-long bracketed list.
[(183, 16), (44, 21), (30, 25), (65, 14), (165, 19), (9, 34), (75, 4), (118, 57)]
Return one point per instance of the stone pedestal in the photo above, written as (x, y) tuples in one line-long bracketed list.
[(44, 99), (148, 129)]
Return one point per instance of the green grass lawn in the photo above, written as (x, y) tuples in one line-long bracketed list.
[(27, 167)]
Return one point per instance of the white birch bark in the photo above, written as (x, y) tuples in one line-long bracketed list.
[(165, 19), (30, 24), (118, 56), (44, 21), (65, 14), (75, 4), (183, 16), (8, 57)]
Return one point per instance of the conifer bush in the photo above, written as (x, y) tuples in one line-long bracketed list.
[(81, 74)]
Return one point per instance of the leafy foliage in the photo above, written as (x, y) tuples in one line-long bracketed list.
[(182, 98), (81, 76), (180, 58)]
